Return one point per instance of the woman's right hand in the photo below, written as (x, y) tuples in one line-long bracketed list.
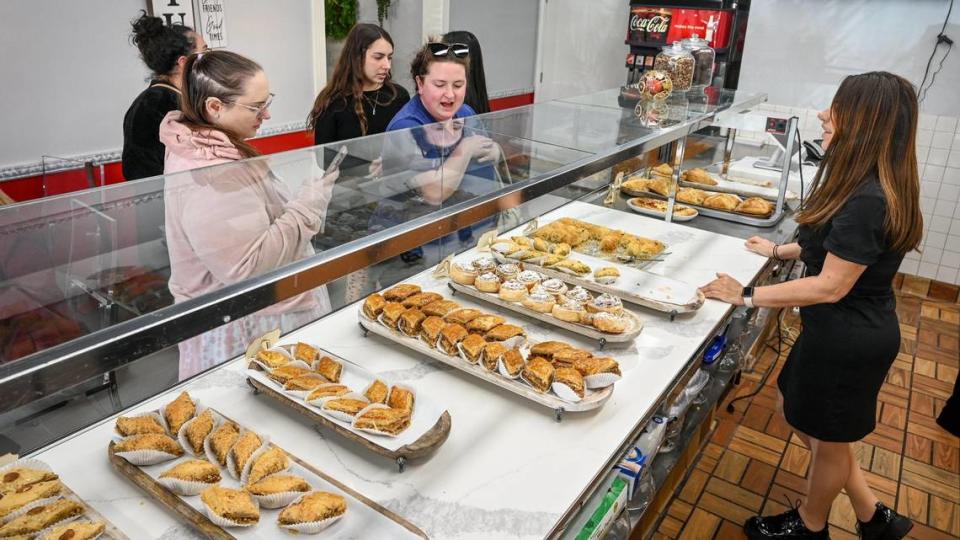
[(760, 245)]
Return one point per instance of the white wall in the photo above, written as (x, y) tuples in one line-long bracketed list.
[(798, 52), (507, 31), (70, 72), (581, 47), (405, 24)]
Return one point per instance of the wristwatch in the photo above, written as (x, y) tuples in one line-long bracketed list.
[(747, 295)]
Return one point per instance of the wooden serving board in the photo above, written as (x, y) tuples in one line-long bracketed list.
[(202, 524), (592, 399), (634, 324), (423, 446)]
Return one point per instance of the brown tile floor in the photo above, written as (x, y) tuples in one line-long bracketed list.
[(753, 462)]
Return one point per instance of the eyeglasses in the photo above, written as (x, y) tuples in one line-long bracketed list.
[(460, 50), (259, 110)]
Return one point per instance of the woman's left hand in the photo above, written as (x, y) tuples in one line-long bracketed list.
[(725, 289)]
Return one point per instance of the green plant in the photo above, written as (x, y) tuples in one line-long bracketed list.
[(340, 16), (382, 13)]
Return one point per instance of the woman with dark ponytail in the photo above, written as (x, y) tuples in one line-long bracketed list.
[(164, 49)]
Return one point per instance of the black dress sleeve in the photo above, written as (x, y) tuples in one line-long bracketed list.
[(856, 232)]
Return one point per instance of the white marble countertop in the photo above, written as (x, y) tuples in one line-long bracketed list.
[(507, 470)]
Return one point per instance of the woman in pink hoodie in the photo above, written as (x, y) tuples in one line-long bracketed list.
[(236, 220)]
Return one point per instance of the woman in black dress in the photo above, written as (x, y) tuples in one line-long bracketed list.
[(360, 98), (861, 218), (164, 49)]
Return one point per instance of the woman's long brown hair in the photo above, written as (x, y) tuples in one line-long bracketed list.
[(220, 74), (347, 78), (874, 119)]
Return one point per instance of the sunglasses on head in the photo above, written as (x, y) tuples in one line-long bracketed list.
[(459, 50)]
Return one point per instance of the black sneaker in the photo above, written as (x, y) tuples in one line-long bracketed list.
[(786, 526), (884, 525)]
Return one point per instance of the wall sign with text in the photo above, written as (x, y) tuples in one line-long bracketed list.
[(204, 16), (172, 11)]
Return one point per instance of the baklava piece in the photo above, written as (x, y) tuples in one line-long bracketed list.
[(194, 470), (178, 411), (567, 357), (450, 336), (392, 421), (272, 359), (504, 332), (373, 306), (40, 517), (307, 353), (462, 316), (512, 362), (305, 383), (138, 425), (14, 479), (272, 461), (430, 330), (539, 373), (327, 390), (222, 439), (232, 504), (400, 292), (27, 494), (491, 354), (410, 321), (377, 392), (278, 483), (285, 373), (330, 369), (316, 506), (549, 348), (472, 346), (595, 366), (401, 399), (149, 441), (420, 299), (439, 308), (570, 377), (347, 406), (484, 324), (247, 444), (86, 530), (198, 429), (391, 314)]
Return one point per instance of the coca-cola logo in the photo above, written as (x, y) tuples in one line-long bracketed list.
[(656, 23)]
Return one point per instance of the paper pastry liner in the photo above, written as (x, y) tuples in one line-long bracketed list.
[(26, 508), (280, 350), (26, 463), (600, 380), (297, 363), (232, 464), (182, 434), (277, 500), (465, 357), (340, 415), (353, 424), (318, 402), (516, 342), (439, 348), (312, 527), (502, 369), (606, 280), (221, 521), (245, 475), (186, 488), (564, 392), (155, 414)]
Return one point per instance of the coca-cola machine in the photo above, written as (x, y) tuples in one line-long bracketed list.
[(723, 23)]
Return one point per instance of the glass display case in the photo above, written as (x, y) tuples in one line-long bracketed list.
[(138, 290)]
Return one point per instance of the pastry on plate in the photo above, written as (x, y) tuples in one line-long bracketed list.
[(484, 264), (577, 267), (439, 308), (18, 477), (391, 314), (606, 275), (399, 292), (232, 504), (570, 377), (373, 306), (755, 206), (512, 291), (462, 316), (305, 383), (327, 390), (554, 286), (330, 369), (522, 241), (75, 530), (284, 373), (539, 373), (595, 365), (549, 348), (691, 195), (345, 405), (605, 303), (487, 282), (504, 332), (568, 357), (463, 272), (40, 517), (578, 294), (722, 201), (421, 299), (609, 323), (660, 186), (450, 336), (315, 506), (198, 429), (248, 443), (222, 439), (484, 323), (392, 421), (492, 352), (377, 392), (278, 483), (430, 330), (272, 359), (472, 346), (149, 441), (639, 247), (540, 301), (656, 205), (529, 278), (194, 470), (512, 362), (569, 311), (178, 411), (508, 271), (410, 322), (401, 399), (134, 425), (663, 169), (15, 500), (272, 461), (539, 244), (698, 176), (305, 352)]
